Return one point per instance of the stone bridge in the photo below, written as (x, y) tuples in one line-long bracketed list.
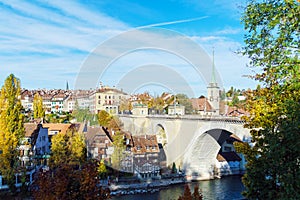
[(192, 142)]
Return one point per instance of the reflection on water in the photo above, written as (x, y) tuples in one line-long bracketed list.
[(227, 188)]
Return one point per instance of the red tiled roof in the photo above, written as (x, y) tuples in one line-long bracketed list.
[(234, 111), (62, 128), (141, 142), (201, 104)]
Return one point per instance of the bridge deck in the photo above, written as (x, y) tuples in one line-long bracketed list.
[(234, 120)]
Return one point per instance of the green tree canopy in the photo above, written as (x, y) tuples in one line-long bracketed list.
[(84, 115), (185, 101), (272, 44), (11, 128)]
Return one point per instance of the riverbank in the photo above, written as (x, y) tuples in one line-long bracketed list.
[(150, 186), (229, 187)]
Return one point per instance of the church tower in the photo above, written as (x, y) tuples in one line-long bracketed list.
[(67, 86), (213, 91)]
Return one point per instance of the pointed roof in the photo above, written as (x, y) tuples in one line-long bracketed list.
[(213, 75)]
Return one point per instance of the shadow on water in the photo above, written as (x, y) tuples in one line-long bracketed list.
[(227, 188)]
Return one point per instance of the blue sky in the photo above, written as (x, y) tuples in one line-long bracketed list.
[(45, 43)]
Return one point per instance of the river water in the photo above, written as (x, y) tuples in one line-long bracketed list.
[(227, 188)]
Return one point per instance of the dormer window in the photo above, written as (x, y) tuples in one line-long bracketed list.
[(147, 147), (153, 147), (138, 148)]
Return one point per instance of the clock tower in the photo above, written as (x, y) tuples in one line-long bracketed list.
[(213, 91)]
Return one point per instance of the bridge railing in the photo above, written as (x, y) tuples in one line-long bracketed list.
[(227, 119)]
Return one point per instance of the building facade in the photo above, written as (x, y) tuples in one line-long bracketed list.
[(109, 99)]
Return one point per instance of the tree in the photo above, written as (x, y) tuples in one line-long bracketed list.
[(77, 147), (157, 103), (59, 149), (38, 109), (125, 105), (102, 169), (104, 118), (84, 115), (65, 182), (115, 123), (272, 44), (185, 101), (187, 195), (67, 148), (197, 195), (11, 128), (119, 149), (174, 169)]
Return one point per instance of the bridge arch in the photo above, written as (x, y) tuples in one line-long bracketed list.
[(201, 154), (161, 135)]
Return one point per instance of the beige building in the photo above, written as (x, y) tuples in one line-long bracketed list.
[(109, 99), (140, 109), (176, 109)]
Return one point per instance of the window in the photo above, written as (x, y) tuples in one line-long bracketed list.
[(138, 148), (19, 177), (99, 97), (147, 147), (99, 102), (226, 148), (153, 147), (4, 181)]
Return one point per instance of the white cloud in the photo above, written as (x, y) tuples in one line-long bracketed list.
[(228, 31), (45, 44), (39, 40)]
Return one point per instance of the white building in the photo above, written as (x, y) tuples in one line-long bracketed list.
[(69, 104), (57, 102), (82, 97), (35, 144)]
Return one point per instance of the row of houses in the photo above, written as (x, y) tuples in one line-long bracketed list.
[(35, 148), (103, 98), (111, 99), (143, 156)]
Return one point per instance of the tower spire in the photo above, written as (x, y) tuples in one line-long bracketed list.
[(213, 76), (67, 86)]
